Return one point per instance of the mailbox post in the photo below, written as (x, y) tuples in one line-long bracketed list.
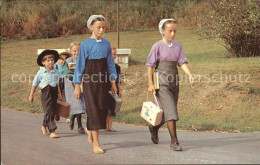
[(123, 57)]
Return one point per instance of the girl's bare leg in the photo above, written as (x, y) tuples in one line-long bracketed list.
[(107, 119), (110, 120), (90, 136), (96, 146)]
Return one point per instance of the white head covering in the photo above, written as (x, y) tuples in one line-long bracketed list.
[(162, 22), (91, 18)]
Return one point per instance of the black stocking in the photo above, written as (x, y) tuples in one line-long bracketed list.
[(72, 118), (156, 128), (172, 130), (79, 121)]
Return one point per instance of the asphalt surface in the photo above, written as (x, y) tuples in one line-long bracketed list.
[(23, 143)]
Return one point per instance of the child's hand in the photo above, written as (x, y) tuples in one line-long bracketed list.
[(71, 69), (31, 98), (59, 97), (114, 88), (120, 94), (77, 91), (192, 81), (151, 88)]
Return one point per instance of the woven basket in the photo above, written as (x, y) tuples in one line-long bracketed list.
[(62, 109)]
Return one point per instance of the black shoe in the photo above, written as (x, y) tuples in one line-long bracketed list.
[(81, 131), (71, 125), (176, 146), (154, 134)]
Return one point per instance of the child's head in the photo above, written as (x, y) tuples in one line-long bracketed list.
[(48, 58), (113, 49), (97, 25), (63, 56), (168, 29), (74, 49), (48, 61)]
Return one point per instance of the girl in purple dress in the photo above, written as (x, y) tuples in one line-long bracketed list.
[(164, 57)]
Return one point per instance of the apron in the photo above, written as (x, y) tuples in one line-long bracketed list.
[(168, 91), (76, 105), (95, 92)]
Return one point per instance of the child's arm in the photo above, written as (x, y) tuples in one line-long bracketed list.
[(31, 93), (151, 88), (119, 89), (185, 68), (59, 93)]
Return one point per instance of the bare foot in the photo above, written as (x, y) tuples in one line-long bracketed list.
[(67, 120), (97, 150), (54, 135), (90, 137), (44, 131), (111, 129)]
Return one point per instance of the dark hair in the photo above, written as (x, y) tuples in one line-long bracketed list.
[(169, 21), (67, 55), (47, 57), (97, 19)]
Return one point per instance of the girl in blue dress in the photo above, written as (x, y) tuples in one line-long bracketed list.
[(96, 68)]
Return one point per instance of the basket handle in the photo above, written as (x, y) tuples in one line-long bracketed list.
[(154, 98)]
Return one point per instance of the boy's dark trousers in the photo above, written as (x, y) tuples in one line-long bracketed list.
[(49, 96)]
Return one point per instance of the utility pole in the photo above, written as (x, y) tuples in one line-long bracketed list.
[(117, 24)]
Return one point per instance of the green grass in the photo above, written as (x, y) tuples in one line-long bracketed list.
[(215, 105)]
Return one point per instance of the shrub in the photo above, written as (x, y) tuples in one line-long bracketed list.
[(235, 24), (189, 11), (46, 19)]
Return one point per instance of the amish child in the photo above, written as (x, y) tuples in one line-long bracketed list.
[(94, 61), (76, 105), (74, 51), (64, 71), (164, 56), (48, 79), (111, 111)]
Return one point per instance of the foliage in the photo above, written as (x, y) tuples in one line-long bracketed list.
[(189, 12), (48, 19), (236, 23)]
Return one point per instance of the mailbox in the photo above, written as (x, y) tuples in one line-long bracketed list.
[(123, 57)]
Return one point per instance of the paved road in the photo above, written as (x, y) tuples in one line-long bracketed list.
[(22, 143)]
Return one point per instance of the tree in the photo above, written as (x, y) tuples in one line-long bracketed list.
[(235, 24)]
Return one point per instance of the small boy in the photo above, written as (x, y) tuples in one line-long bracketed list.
[(62, 67), (48, 79), (111, 112)]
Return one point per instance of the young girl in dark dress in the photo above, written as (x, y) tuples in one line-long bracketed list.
[(94, 63)]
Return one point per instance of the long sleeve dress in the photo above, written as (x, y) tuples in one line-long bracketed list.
[(164, 59), (95, 66)]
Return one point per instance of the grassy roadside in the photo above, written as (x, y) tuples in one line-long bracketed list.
[(226, 97)]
